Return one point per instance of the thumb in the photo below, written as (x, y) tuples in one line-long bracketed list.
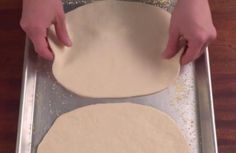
[(61, 31), (172, 45)]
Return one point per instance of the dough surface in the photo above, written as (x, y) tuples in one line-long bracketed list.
[(116, 50), (114, 128)]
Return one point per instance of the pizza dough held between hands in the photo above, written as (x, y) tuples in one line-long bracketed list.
[(116, 50), (114, 128)]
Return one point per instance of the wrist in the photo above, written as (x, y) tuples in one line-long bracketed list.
[(193, 1), (198, 4)]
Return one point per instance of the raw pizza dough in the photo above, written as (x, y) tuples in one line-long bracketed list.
[(116, 50), (114, 128)]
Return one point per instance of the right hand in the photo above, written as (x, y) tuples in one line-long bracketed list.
[(191, 21), (37, 17)]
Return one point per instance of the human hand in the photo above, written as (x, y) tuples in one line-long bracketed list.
[(192, 21), (37, 17)]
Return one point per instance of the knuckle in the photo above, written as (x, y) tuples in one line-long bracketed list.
[(33, 30), (213, 34), (60, 16), (201, 37), (28, 25), (23, 24)]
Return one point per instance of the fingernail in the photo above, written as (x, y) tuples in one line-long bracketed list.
[(50, 57), (163, 55), (68, 42)]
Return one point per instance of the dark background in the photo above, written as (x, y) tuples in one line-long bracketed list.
[(222, 57)]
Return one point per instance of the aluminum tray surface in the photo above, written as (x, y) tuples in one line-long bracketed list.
[(188, 101)]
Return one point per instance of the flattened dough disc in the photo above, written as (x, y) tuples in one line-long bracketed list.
[(114, 128), (116, 50)]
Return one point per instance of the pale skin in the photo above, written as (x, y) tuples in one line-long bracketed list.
[(191, 21)]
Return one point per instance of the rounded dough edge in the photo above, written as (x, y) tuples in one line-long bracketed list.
[(147, 111)]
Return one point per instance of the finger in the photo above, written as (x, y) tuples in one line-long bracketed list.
[(172, 45), (213, 35), (192, 52), (41, 47), (202, 50), (61, 31)]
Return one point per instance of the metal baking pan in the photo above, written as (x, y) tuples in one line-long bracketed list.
[(189, 102)]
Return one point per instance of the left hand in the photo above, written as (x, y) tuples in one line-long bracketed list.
[(37, 17), (191, 20)]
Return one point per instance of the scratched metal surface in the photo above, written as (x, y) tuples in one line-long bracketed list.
[(188, 101)]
